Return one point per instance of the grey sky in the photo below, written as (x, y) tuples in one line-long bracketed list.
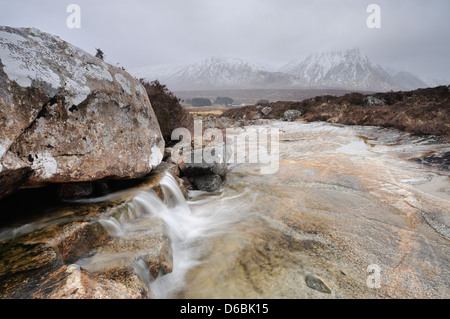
[(414, 34)]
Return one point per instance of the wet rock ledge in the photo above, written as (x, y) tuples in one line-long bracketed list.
[(40, 261), (73, 123)]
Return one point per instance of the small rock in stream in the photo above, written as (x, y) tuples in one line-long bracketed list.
[(316, 284), (208, 183)]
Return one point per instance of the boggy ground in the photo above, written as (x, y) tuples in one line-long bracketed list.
[(420, 112)]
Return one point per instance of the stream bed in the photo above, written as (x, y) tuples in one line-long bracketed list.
[(348, 214)]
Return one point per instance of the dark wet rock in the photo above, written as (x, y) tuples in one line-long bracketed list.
[(68, 116), (316, 284), (75, 190), (188, 182), (207, 161), (167, 153), (24, 257), (440, 161), (21, 266), (292, 115), (30, 254), (208, 183), (194, 169), (13, 173), (207, 168)]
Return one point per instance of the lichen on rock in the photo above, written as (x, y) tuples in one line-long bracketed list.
[(69, 116)]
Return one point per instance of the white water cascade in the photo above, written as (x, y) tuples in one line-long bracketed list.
[(189, 226)]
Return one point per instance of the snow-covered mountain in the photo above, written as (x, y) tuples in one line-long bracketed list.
[(347, 70), (408, 80), (161, 72), (340, 70), (432, 82), (214, 73)]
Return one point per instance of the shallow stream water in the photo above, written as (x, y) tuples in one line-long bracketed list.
[(343, 202)]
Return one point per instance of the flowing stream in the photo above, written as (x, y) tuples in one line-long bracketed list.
[(344, 201)]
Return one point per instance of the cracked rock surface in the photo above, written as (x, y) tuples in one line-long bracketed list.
[(67, 116)]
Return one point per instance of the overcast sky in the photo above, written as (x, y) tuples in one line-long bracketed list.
[(414, 34)]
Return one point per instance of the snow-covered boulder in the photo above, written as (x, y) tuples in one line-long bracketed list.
[(292, 115), (69, 116)]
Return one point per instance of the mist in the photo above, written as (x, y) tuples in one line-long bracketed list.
[(414, 34)]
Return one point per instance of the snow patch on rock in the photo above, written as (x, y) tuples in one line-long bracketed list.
[(2, 151), (44, 165), (123, 82), (21, 57), (140, 89), (155, 157), (33, 59)]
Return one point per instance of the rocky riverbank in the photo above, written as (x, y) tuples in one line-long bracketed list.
[(76, 128), (39, 259)]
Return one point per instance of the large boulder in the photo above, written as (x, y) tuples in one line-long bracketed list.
[(67, 116)]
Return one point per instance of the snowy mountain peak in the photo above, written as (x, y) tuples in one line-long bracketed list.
[(347, 70), (218, 67)]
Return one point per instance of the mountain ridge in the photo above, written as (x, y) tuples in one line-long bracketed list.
[(348, 70)]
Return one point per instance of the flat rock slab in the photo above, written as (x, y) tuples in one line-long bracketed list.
[(145, 239), (72, 282)]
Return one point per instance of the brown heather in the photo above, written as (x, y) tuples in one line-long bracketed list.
[(420, 112)]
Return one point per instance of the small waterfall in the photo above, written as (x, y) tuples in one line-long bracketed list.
[(189, 225), (114, 227)]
